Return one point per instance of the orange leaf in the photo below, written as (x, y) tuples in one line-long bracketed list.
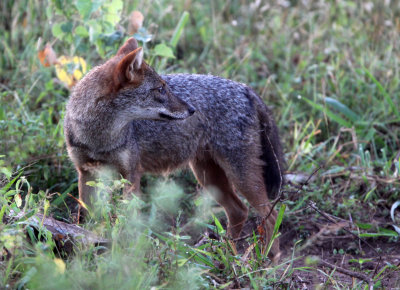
[(25, 22), (47, 56), (135, 22), (81, 203), (261, 230)]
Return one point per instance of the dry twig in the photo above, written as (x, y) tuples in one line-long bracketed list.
[(347, 272)]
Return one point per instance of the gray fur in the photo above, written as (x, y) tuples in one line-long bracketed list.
[(231, 141), (226, 123)]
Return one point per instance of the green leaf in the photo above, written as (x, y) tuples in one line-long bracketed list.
[(142, 35), (81, 31), (360, 261), (66, 27), (49, 12), (57, 31), (92, 183), (18, 200), (95, 30), (113, 11), (163, 50), (84, 7), (7, 172), (112, 38), (115, 6)]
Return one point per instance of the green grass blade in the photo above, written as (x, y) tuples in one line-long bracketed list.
[(203, 259), (2, 211), (179, 29), (9, 184), (257, 247), (383, 91), (278, 222), (377, 235), (220, 228), (279, 218), (61, 198), (342, 108), (329, 113)]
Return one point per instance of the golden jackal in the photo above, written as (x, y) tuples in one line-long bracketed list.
[(123, 115)]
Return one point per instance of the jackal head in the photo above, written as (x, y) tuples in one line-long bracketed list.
[(129, 88)]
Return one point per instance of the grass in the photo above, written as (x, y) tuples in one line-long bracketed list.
[(329, 71)]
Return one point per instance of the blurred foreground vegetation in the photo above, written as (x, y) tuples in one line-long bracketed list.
[(328, 69)]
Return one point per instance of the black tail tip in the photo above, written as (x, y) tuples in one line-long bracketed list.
[(274, 183), (273, 157)]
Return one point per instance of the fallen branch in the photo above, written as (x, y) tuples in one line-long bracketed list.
[(329, 218), (347, 272), (63, 232)]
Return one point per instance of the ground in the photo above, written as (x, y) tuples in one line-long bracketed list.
[(330, 243), (319, 242), (325, 250)]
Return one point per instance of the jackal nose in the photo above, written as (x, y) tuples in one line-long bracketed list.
[(191, 110)]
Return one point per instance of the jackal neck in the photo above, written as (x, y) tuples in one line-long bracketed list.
[(96, 130)]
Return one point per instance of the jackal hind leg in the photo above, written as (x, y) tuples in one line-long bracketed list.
[(252, 187), (211, 176)]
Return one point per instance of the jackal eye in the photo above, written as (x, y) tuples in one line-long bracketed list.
[(161, 90)]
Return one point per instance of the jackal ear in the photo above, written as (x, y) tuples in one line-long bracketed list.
[(129, 45), (127, 69)]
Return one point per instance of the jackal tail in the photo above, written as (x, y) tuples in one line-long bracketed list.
[(272, 155)]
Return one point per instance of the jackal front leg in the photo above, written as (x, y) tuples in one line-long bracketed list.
[(86, 192), (133, 187), (133, 175)]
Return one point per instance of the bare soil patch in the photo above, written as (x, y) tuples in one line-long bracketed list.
[(341, 259)]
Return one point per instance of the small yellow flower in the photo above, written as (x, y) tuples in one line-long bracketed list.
[(60, 265), (69, 70)]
